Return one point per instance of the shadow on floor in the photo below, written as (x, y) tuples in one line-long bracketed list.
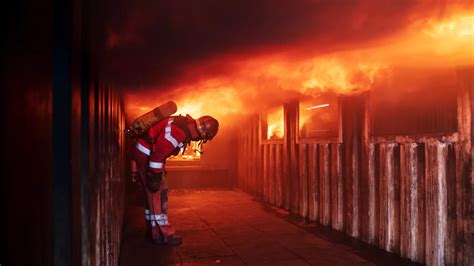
[(228, 227)]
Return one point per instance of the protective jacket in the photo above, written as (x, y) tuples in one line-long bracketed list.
[(164, 139)]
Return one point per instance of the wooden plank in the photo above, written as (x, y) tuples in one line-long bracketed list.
[(407, 170), (429, 229), (372, 192), (291, 117), (364, 188), (246, 162), (465, 245), (242, 162), (251, 156), (285, 178), (247, 166), (294, 179), (324, 186), (251, 140), (278, 175), (411, 203), (348, 199), (451, 219), (383, 196), (253, 162), (391, 175), (303, 180), (355, 175), (313, 182), (271, 173), (321, 180), (465, 168), (257, 160), (417, 207), (436, 203), (265, 172), (333, 188), (260, 170), (337, 186), (239, 161), (395, 204)]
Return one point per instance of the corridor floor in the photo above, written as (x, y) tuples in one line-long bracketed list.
[(227, 227)]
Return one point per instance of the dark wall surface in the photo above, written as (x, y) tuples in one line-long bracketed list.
[(62, 143), (406, 195), (27, 144)]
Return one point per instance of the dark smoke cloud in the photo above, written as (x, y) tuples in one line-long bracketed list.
[(154, 43)]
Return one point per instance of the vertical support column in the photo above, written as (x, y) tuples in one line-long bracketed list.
[(62, 87), (352, 119), (412, 202), (436, 203), (271, 173), (266, 161), (254, 156), (451, 220), (260, 155), (355, 162), (389, 198), (373, 194), (278, 175), (285, 178), (324, 185), (337, 185), (464, 167), (303, 178), (291, 116), (85, 135), (313, 182)]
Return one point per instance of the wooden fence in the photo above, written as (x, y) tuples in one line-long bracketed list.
[(410, 196)]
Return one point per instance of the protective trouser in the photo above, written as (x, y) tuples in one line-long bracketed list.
[(156, 209)]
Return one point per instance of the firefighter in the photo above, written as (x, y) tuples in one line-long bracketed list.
[(162, 140)]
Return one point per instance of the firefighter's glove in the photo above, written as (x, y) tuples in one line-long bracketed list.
[(153, 181)]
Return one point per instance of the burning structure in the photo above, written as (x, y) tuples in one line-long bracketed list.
[(356, 116), (374, 177), (373, 141)]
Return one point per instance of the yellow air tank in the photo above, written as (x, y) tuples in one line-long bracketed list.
[(144, 122)]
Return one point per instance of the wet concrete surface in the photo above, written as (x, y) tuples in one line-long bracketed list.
[(227, 227)]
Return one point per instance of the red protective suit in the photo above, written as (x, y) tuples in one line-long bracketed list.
[(165, 139)]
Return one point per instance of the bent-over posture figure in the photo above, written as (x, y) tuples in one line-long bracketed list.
[(162, 140)]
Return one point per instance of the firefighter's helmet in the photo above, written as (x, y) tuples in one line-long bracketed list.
[(207, 127)]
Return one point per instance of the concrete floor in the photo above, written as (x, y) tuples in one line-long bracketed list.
[(227, 227)]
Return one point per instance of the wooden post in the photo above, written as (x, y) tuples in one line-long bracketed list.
[(271, 173), (278, 175), (313, 182), (303, 180)]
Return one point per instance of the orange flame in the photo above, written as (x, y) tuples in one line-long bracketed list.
[(275, 124), (269, 80)]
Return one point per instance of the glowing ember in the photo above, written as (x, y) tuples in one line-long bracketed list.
[(275, 124), (191, 153)]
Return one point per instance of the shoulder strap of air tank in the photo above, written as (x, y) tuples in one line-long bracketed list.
[(181, 122)]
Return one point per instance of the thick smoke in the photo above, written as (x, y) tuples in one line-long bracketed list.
[(154, 42), (207, 46)]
